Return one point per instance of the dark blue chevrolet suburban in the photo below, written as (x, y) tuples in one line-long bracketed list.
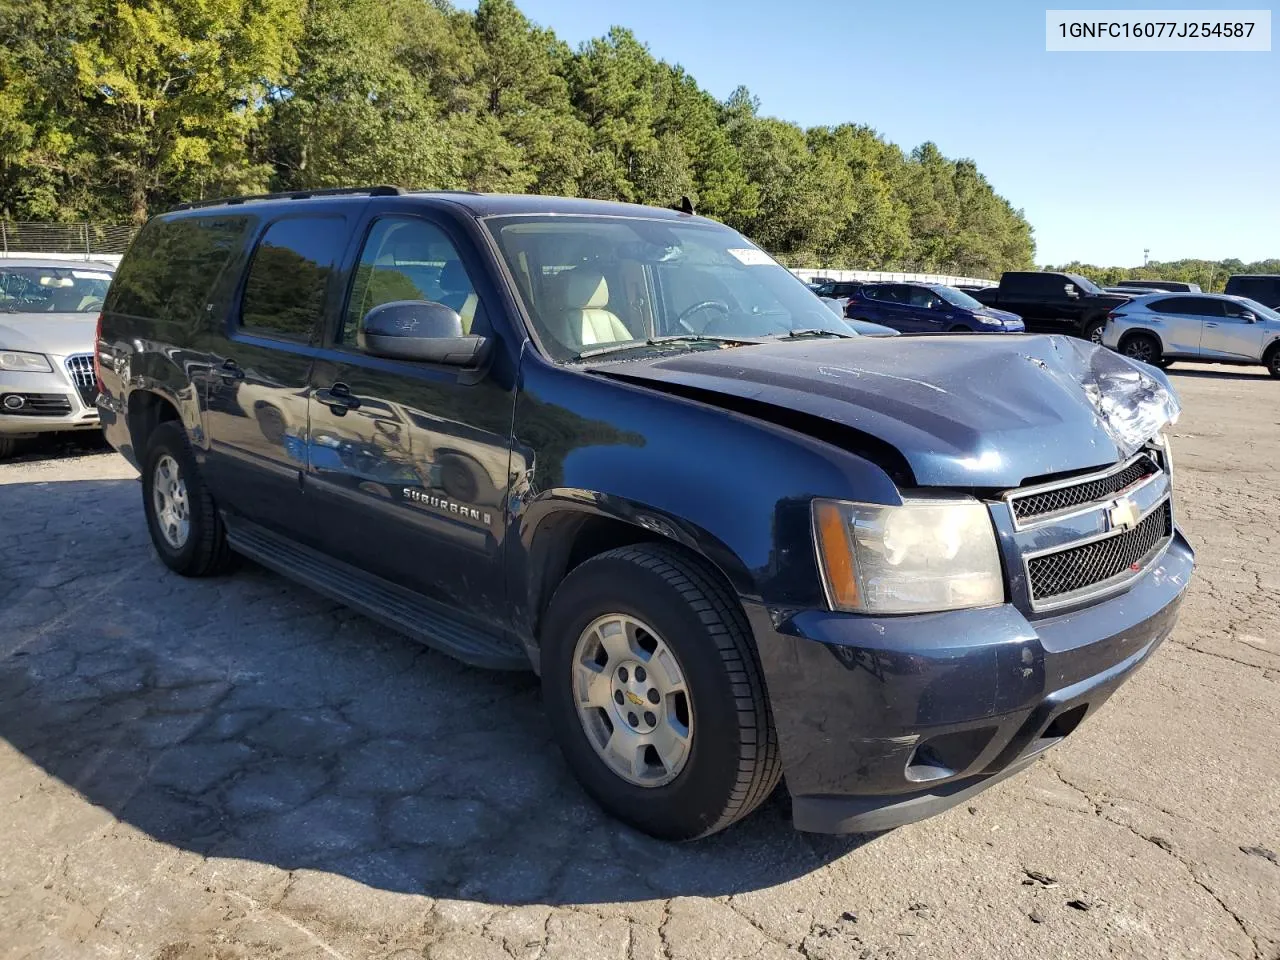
[(624, 448)]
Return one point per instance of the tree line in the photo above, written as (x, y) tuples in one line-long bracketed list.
[(1211, 275), (113, 110)]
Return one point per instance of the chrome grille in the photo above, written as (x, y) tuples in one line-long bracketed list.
[(80, 367), (1063, 498), (1091, 565)]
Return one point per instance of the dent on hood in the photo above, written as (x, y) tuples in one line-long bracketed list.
[(1132, 400)]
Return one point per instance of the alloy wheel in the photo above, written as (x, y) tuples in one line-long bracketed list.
[(169, 499), (1140, 349), (633, 700)]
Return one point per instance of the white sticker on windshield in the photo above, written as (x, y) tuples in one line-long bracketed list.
[(751, 257), (90, 275)]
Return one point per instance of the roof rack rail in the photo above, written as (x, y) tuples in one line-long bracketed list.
[(381, 190)]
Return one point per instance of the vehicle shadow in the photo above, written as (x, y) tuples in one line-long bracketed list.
[(57, 446), (1218, 373), (247, 717)]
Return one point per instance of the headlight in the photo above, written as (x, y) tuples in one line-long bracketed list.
[(926, 555), (990, 321), (25, 362)]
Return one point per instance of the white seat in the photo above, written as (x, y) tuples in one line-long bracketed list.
[(585, 319)]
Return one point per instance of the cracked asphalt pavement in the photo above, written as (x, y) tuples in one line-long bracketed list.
[(239, 768)]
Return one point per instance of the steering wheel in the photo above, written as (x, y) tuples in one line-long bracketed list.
[(683, 319)]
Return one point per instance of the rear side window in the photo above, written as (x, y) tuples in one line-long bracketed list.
[(1189, 306), (171, 269), (285, 292), (1019, 283)]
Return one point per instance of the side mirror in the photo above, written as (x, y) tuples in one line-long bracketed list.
[(1249, 317), (420, 330), (1071, 291)]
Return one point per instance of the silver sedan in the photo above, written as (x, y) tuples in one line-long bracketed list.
[(1205, 327), (48, 320)]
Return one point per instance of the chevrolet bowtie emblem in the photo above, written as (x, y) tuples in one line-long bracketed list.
[(1123, 514)]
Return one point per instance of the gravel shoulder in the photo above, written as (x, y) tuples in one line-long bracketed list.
[(239, 768)]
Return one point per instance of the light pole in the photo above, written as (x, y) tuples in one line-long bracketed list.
[(1146, 255)]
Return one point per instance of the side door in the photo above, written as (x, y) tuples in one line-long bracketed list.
[(1179, 322), (1022, 293), (896, 308), (256, 414), (1235, 335), (409, 461), (927, 310)]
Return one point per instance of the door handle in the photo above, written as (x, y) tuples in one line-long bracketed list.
[(338, 398), (230, 370), (1210, 324)]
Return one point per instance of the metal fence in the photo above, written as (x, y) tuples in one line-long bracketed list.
[(88, 240)]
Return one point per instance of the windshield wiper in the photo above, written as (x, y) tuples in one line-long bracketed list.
[(813, 332), (658, 342)]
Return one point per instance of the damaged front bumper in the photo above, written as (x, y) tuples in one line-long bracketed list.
[(886, 720)]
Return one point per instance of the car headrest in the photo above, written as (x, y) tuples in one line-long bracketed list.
[(454, 279), (586, 290)]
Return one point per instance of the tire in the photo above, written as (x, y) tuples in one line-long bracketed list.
[(731, 763), (1092, 331), (1272, 361), (1142, 347), (203, 551), (959, 329), (7, 446)]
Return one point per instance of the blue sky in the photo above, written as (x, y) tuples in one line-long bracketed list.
[(1107, 153)]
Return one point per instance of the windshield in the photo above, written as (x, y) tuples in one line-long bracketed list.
[(1084, 283), (957, 298), (52, 289), (1265, 312), (592, 282)]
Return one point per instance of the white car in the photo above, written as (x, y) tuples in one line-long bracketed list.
[(1206, 327), (48, 321)]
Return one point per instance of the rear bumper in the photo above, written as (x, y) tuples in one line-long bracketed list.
[(887, 720)]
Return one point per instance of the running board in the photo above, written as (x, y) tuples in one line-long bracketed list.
[(403, 610)]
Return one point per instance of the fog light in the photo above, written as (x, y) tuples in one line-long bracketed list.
[(14, 402)]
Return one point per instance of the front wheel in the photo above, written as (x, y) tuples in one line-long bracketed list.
[(654, 692), (1273, 362), (7, 446)]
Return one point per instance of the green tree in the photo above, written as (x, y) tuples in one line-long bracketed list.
[(171, 92)]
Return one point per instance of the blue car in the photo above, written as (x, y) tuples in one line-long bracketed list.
[(928, 308)]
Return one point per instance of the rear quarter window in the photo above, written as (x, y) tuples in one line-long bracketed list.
[(171, 269)]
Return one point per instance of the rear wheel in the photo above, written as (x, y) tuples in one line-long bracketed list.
[(655, 695), (1092, 331), (181, 515), (1143, 347)]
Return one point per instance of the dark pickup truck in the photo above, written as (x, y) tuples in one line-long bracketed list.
[(1053, 302), (624, 448)]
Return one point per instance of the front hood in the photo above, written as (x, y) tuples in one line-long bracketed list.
[(60, 334), (983, 412)]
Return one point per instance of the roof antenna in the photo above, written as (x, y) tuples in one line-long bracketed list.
[(686, 206)]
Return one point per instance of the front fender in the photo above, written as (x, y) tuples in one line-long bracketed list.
[(731, 488)]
